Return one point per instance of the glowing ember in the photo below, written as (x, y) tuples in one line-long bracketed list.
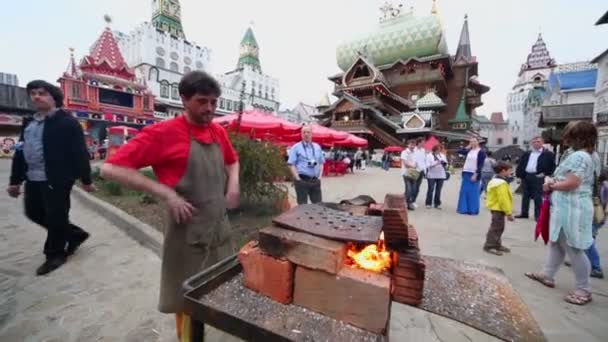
[(373, 258)]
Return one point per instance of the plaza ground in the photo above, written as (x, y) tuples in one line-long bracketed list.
[(108, 290)]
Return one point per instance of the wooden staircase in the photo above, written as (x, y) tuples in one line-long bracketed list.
[(384, 137)]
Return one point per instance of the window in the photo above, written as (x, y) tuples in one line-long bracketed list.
[(160, 62), (146, 102), (221, 103), (266, 95), (514, 141), (164, 90), (499, 141), (174, 67), (153, 75), (253, 87), (229, 105), (76, 91), (174, 92), (187, 70)]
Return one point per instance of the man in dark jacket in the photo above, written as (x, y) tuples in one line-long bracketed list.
[(533, 166), (52, 155)]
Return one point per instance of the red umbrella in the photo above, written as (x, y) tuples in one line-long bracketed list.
[(123, 130), (259, 124), (352, 141), (430, 143), (393, 148)]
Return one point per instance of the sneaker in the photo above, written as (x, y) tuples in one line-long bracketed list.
[(415, 205), (50, 265), (73, 245), (597, 274), (428, 207), (494, 251), (438, 207), (504, 249), (411, 207)]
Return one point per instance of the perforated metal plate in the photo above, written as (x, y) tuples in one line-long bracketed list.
[(329, 223)]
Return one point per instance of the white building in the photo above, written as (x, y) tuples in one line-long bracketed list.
[(533, 75), (600, 107), (494, 130), (9, 79), (247, 83), (160, 55)]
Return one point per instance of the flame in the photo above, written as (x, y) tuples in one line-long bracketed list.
[(372, 257)]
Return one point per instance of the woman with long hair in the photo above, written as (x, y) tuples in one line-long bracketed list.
[(468, 200), (570, 224)]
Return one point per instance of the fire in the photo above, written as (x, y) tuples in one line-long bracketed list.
[(373, 257)]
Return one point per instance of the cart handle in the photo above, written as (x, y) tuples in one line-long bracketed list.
[(193, 282)]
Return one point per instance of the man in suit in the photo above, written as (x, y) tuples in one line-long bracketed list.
[(51, 157), (533, 166)]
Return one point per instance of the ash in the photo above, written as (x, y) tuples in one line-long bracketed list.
[(289, 321)]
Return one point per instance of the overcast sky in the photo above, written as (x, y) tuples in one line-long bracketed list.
[(298, 38)]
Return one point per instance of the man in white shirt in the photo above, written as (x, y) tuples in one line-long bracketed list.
[(411, 173)]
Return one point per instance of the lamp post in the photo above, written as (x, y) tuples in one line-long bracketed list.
[(241, 106)]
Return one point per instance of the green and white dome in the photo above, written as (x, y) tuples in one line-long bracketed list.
[(402, 37)]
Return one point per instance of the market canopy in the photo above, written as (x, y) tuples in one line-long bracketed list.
[(352, 141), (393, 148), (259, 124), (126, 130), (322, 135)]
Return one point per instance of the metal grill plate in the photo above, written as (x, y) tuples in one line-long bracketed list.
[(332, 224)]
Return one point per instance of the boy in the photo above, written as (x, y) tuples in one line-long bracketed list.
[(500, 202)]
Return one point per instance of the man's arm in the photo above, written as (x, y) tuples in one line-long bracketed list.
[(233, 189), (520, 172), (80, 153), (294, 172)]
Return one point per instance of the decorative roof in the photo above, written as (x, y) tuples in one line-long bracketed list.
[(249, 54), (497, 117), (463, 52), (417, 120), (166, 17), (400, 37), (539, 57), (461, 113), (105, 57), (482, 119), (324, 102), (576, 66), (430, 100), (72, 69), (603, 19)]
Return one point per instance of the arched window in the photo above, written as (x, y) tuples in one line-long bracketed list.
[(160, 62), (76, 91), (164, 90), (187, 70), (153, 74), (174, 67), (174, 92)]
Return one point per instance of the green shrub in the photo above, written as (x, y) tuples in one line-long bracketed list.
[(147, 199), (261, 164), (113, 188)]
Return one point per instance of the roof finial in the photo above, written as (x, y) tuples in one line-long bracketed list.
[(108, 19), (434, 8), (71, 51), (466, 16)]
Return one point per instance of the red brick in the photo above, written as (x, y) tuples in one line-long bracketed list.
[(303, 249), (267, 275), (355, 296)]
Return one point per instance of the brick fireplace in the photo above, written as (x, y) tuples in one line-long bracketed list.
[(307, 258)]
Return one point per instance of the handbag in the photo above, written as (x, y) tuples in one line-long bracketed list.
[(599, 215), (412, 174), (542, 225)]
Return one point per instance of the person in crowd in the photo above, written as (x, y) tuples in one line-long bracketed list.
[(358, 158), (420, 159), (386, 159), (52, 156), (306, 164), (532, 169), (436, 164), (468, 199), (571, 217), (500, 202), (411, 172), (198, 177), (364, 160), (487, 171)]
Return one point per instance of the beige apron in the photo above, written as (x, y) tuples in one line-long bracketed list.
[(205, 240)]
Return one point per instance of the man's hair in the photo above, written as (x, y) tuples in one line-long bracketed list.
[(501, 166), (411, 141), (419, 140), (53, 90), (199, 82), (489, 153), (537, 137), (580, 135)]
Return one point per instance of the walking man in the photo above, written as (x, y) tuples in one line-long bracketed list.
[(533, 166), (411, 173), (52, 156), (198, 177), (306, 165)]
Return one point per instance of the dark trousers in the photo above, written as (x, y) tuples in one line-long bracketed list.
[(308, 188), (532, 188), (497, 227), (49, 206), (435, 186)]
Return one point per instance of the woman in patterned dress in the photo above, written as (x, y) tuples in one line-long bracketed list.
[(572, 212)]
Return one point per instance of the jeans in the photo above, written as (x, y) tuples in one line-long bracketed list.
[(434, 185), (592, 253), (410, 187)]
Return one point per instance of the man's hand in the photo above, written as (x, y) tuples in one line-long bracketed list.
[(14, 190), (180, 208), (510, 217), (232, 199), (474, 178), (89, 187)]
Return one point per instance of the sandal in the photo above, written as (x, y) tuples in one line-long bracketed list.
[(539, 277), (504, 249), (494, 251), (577, 299)]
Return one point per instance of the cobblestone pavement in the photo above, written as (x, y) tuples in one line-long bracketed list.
[(108, 291)]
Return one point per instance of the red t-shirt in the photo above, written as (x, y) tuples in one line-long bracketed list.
[(165, 147)]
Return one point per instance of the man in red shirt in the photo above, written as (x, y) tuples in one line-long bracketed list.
[(198, 177)]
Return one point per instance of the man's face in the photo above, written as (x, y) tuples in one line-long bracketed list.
[(200, 108), (537, 143), (42, 100), (411, 145), (307, 134)]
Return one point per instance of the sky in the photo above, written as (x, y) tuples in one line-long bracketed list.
[(298, 39)]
